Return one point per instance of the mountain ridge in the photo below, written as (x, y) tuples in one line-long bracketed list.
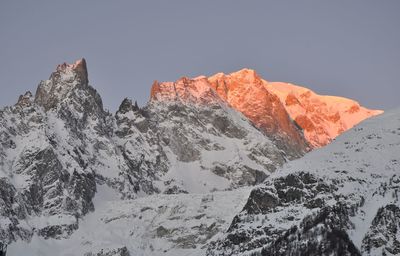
[(277, 108), (62, 154)]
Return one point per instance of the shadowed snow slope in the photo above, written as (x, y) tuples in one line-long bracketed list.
[(342, 199), (171, 225)]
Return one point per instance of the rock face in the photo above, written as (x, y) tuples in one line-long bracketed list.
[(60, 84), (203, 133), (384, 232), (185, 90), (342, 199), (245, 91), (296, 117), (322, 118)]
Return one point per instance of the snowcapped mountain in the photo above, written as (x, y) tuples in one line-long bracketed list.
[(342, 199), (269, 104), (245, 91), (166, 178)]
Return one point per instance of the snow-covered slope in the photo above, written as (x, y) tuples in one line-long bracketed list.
[(342, 199), (173, 225)]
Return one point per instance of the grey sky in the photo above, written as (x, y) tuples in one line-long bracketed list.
[(345, 48)]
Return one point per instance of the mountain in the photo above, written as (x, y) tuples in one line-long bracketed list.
[(272, 105), (206, 147), (60, 145), (179, 168), (295, 116), (342, 199), (245, 92)]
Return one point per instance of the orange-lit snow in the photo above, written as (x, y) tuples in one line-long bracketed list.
[(322, 117), (271, 105)]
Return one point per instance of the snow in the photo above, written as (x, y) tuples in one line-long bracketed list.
[(357, 166), (369, 152), (184, 224), (330, 115), (193, 179), (134, 223), (366, 152)]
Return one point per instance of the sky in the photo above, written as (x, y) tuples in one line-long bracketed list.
[(343, 48)]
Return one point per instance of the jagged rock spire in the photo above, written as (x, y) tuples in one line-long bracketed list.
[(79, 68), (63, 83), (25, 100), (127, 106)]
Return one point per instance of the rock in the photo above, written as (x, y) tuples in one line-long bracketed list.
[(123, 251), (244, 91), (384, 232)]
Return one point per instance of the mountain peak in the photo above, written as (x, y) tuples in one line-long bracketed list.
[(245, 73), (78, 68), (80, 63), (186, 90), (64, 83), (127, 105), (244, 91), (25, 100)]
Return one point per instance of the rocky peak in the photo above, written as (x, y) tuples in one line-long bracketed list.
[(246, 75), (67, 91), (244, 91), (78, 68), (185, 90), (62, 82), (25, 100), (127, 106)]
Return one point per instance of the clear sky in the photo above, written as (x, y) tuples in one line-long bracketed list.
[(341, 47)]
